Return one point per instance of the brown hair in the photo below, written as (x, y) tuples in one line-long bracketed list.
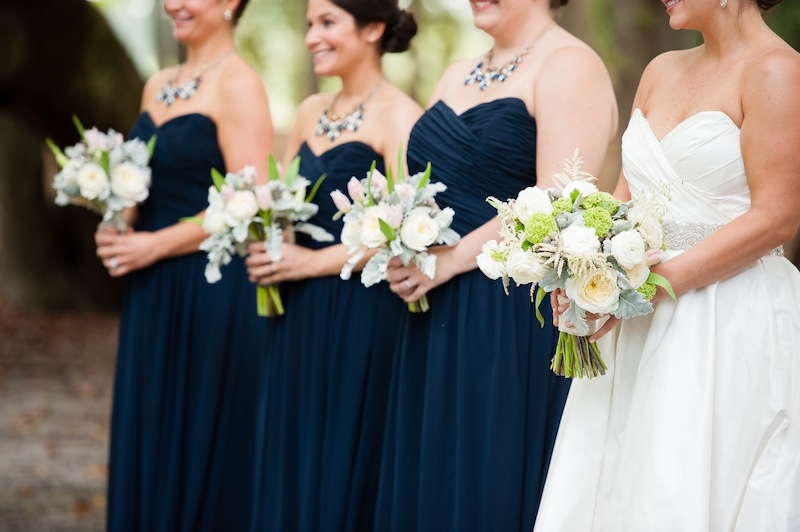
[(400, 24)]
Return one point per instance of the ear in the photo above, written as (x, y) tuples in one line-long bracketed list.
[(373, 32), (230, 4)]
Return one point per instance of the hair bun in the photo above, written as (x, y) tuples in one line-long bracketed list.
[(768, 4), (555, 4), (397, 36)]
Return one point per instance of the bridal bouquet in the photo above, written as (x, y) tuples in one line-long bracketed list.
[(103, 173), (393, 219), (596, 249), (240, 212)]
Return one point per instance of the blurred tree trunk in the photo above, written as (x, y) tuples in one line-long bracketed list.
[(60, 59)]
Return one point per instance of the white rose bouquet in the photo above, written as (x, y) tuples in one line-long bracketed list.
[(103, 173), (240, 212), (596, 249), (393, 219)]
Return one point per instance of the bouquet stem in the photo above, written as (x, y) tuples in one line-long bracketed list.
[(577, 357), (420, 305), (268, 301)]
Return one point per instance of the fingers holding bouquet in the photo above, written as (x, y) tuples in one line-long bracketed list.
[(126, 252)]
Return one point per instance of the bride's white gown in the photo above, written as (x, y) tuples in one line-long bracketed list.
[(696, 425)]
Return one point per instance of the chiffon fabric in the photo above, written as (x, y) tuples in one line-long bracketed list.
[(182, 439), (474, 407), (695, 427), (327, 380)]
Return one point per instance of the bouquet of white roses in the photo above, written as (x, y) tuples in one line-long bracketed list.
[(393, 219), (596, 249), (240, 212), (103, 173)]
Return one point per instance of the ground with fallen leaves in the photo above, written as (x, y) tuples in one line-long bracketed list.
[(56, 372)]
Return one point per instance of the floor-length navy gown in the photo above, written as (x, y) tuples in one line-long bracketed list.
[(182, 428), (327, 381), (474, 407)]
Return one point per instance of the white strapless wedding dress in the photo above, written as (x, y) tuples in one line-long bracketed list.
[(696, 425)]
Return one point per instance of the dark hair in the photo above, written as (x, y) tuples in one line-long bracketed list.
[(768, 4), (237, 13), (400, 24), (555, 4)]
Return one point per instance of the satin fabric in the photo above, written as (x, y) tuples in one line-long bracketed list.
[(327, 378), (474, 407), (182, 439), (695, 426)]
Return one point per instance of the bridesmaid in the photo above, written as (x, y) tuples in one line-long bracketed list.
[(328, 374), (182, 442), (474, 407)]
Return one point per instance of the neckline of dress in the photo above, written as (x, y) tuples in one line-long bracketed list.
[(177, 117), (341, 144), (510, 99), (638, 111)]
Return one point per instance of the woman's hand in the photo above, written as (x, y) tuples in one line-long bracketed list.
[(296, 263), (411, 284), (560, 303), (123, 253)]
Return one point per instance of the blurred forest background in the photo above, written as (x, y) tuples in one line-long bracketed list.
[(58, 306)]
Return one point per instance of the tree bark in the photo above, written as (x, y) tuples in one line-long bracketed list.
[(61, 59)]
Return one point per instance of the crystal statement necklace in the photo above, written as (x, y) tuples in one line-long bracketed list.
[(183, 91), (332, 125), (486, 75)]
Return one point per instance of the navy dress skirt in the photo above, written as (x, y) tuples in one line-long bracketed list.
[(182, 430), (327, 381), (474, 407)]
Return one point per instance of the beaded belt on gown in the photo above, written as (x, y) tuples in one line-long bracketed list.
[(680, 236)]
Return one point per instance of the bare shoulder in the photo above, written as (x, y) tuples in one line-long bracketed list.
[(453, 77), (239, 82), (155, 82), (402, 108), (572, 58), (773, 74)]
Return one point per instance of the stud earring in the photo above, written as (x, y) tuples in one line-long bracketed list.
[(723, 3), (227, 15)]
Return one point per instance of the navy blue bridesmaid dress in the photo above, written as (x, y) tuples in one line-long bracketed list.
[(182, 447), (474, 407), (327, 381)]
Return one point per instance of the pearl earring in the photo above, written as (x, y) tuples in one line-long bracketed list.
[(227, 15), (723, 3)]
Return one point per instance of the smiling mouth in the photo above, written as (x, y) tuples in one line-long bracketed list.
[(671, 3)]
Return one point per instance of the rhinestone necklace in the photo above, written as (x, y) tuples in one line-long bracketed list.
[(484, 76), (183, 91), (332, 125)]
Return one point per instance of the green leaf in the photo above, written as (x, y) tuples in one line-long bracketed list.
[(61, 159), (105, 162), (217, 178), (632, 303), (192, 219), (426, 177), (540, 295), (370, 199), (315, 188), (387, 230), (401, 168), (151, 147), (661, 281), (389, 180), (292, 171), (79, 126), (272, 165)]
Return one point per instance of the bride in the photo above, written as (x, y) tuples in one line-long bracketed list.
[(696, 427)]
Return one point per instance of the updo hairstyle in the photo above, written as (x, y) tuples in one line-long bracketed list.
[(400, 24)]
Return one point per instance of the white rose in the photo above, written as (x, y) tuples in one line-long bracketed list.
[(579, 241), (584, 188), (371, 234), (419, 230), (488, 264), (648, 225), (129, 182), (242, 205), (628, 248), (638, 274), (530, 201), (596, 292), (93, 181), (214, 222), (351, 234), (524, 267)]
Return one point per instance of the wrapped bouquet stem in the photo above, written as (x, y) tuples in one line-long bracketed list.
[(596, 249)]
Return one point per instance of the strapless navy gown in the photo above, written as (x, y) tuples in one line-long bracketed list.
[(182, 436), (474, 407), (327, 382)]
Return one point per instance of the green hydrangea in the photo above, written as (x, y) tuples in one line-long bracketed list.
[(602, 200), (562, 205), (648, 290), (598, 219), (539, 227)]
